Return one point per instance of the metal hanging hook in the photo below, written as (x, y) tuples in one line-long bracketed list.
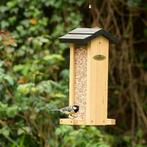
[(89, 4)]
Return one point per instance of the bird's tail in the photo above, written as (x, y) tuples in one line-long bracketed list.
[(56, 110)]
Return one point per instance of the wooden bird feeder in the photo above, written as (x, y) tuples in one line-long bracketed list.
[(89, 53)]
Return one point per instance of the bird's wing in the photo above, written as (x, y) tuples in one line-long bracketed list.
[(66, 109)]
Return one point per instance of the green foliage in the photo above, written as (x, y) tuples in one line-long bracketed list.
[(33, 73), (134, 3), (83, 137)]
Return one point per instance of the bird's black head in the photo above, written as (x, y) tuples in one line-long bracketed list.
[(75, 108)]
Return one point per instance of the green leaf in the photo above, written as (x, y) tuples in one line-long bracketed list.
[(9, 79), (12, 111), (53, 59), (45, 86), (11, 4), (3, 9), (1, 63), (5, 131), (4, 24), (24, 130), (25, 88), (139, 133)]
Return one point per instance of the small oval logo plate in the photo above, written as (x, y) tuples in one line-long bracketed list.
[(99, 57)]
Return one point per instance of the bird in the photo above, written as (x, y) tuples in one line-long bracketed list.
[(69, 110)]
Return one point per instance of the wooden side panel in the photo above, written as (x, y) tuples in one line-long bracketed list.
[(89, 115), (97, 81), (72, 76)]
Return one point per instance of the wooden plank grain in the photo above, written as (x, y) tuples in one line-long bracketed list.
[(72, 76)]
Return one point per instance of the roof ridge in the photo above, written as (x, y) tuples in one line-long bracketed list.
[(83, 35)]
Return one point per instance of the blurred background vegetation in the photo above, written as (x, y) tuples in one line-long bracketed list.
[(34, 72)]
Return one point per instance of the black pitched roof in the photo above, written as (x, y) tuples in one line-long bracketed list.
[(84, 35)]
